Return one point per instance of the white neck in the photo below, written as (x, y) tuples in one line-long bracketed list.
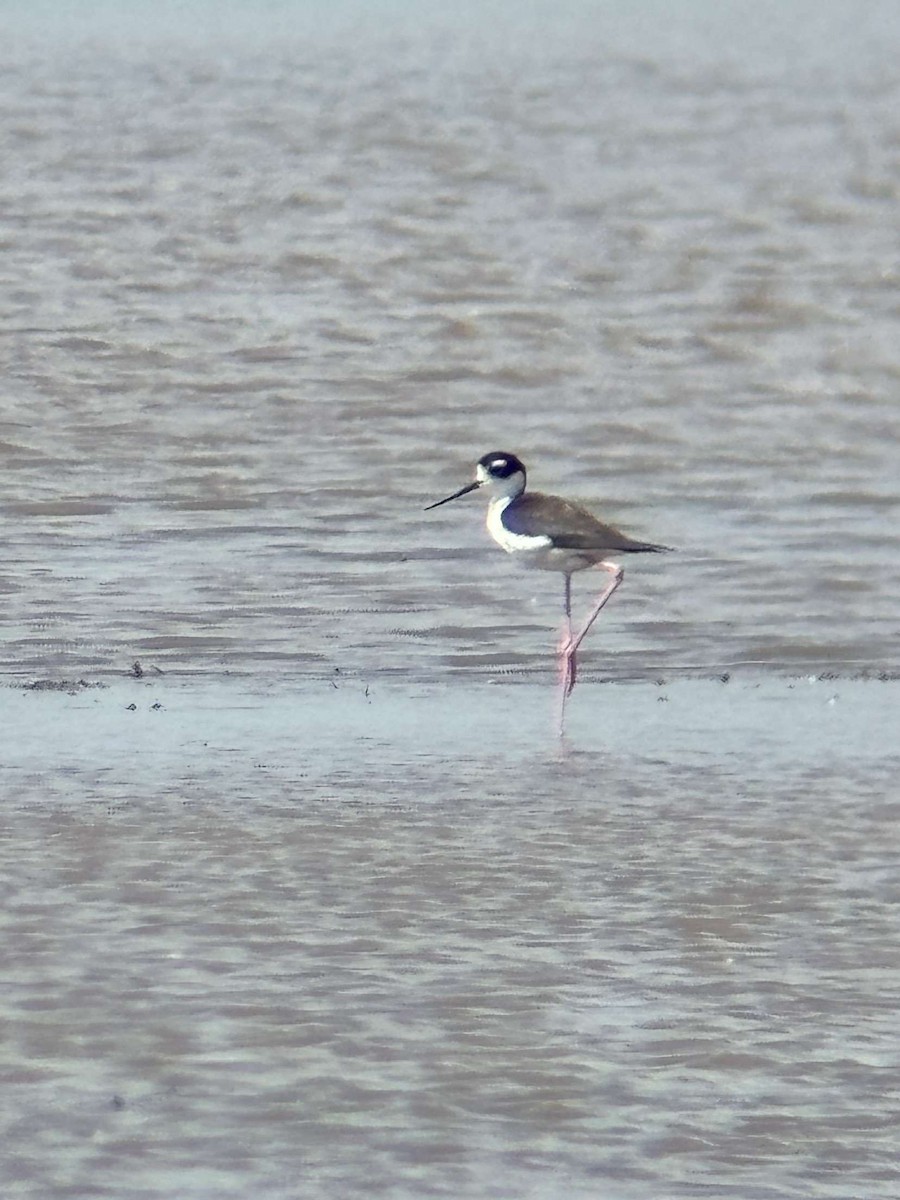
[(504, 489), (496, 509)]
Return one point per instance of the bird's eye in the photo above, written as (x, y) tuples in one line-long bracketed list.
[(498, 466)]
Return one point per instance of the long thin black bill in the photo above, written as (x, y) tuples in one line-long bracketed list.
[(470, 487)]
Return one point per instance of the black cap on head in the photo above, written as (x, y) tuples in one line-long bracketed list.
[(501, 464)]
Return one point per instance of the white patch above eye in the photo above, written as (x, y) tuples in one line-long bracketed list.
[(498, 464)]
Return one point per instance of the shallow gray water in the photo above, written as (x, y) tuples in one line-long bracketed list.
[(340, 917), (307, 943)]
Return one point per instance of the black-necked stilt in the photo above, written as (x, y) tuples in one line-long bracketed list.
[(551, 534)]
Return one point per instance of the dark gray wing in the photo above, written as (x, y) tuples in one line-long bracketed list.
[(571, 526)]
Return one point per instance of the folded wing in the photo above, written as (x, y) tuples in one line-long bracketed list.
[(569, 525)]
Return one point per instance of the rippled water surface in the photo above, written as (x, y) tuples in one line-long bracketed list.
[(318, 905)]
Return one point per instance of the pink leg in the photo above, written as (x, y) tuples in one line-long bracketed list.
[(564, 649), (617, 576), (568, 663), (569, 646)]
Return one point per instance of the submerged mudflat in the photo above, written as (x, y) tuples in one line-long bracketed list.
[(409, 936)]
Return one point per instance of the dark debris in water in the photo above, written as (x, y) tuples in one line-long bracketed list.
[(70, 686), (864, 676), (137, 670)]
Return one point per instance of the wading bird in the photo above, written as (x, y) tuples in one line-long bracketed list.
[(550, 534)]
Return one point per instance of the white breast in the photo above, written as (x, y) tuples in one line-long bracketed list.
[(512, 543)]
